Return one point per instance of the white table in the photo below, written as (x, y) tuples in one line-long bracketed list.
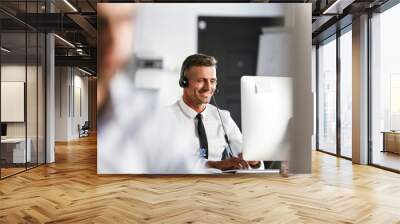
[(18, 149)]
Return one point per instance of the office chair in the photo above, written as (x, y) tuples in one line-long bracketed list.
[(84, 130)]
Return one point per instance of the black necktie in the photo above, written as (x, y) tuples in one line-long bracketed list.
[(202, 136)]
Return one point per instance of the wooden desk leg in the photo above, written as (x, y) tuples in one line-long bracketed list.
[(284, 171), (384, 143)]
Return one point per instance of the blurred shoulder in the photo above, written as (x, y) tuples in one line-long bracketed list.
[(172, 111)]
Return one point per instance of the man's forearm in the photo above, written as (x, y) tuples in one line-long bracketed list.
[(211, 164), (217, 165)]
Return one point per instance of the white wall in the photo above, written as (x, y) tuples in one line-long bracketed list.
[(173, 38), (165, 82), (33, 125), (69, 82), (61, 103), (79, 117), (12, 73), (274, 52), (12, 100)]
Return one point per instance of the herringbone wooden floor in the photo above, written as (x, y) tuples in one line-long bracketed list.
[(70, 191)]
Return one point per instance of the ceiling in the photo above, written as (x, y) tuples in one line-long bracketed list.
[(77, 25), (76, 22)]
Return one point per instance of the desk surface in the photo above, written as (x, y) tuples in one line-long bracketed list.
[(13, 140), (390, 132)]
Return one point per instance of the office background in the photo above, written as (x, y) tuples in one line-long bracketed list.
[(281, 37)]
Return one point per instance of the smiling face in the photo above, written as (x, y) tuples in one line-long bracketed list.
[(202, 84)]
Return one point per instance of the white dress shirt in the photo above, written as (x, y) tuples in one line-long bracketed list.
[(186, 117), (137, 136)]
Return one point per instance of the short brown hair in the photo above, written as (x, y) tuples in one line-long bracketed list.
[(197, 60)]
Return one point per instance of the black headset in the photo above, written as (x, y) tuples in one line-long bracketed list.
[(183, 81)]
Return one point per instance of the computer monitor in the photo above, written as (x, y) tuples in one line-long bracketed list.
[(267, 112), (3, 129)]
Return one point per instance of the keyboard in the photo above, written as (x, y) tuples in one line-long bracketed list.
[(252, 171)]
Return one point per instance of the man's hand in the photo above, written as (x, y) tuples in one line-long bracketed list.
[(253, 163), (229, 164)]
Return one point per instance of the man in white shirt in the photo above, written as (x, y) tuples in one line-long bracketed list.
[(201, 120)]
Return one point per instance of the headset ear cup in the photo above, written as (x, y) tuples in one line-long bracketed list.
[(183, 82)]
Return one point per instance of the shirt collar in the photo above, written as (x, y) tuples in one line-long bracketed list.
[(189, 111)]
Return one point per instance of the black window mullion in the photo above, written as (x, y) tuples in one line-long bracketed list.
[(338, 91), (44, 79), (73, 91), (369, 90), (37, 90), (317, 95), (26, 86), (0, 98)]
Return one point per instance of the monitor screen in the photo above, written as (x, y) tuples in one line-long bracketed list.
[(3, 129), (267, 112)]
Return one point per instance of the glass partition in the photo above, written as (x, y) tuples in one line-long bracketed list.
[(22, 89), (385, 89), (346, 93), (327, 96), (13, 109), (32, 86)]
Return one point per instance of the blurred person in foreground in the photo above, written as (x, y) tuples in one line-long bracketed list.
[(135, 135)]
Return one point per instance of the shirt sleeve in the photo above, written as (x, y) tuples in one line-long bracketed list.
[(202, 163)]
